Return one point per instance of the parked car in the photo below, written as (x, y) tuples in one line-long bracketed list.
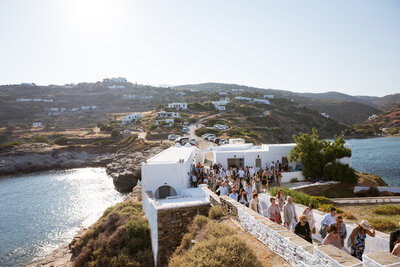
[(182, 140), (220, 127), (205, 135), (172, 137), (200, 125), (186, 124), (185, 130), (211, 138), (193, 140)]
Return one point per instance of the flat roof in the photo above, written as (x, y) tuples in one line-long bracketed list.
[(180, 202), (172, 155)]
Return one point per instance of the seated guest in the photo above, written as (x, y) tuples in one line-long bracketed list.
[(341, 228), (302, 229), (332, 238), (393, 237), (274, 213)]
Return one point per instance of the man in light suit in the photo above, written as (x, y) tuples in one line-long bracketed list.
[(289, 214)]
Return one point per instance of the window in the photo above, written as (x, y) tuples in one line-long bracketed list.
[(165, 191), (258, 163)]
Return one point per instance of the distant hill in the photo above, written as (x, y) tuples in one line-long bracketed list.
[(382, 102), (340, 107)]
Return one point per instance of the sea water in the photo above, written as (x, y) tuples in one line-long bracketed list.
[(42, 210), (378, 156)]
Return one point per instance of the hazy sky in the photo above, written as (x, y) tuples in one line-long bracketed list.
[(305, 46)]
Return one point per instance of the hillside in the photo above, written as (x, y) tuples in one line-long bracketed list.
[(382, 102), (340, 107)]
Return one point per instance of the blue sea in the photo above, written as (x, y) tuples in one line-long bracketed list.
[(42, 210), (378, 156)]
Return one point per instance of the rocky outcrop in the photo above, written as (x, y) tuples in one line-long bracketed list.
[(125, 168)]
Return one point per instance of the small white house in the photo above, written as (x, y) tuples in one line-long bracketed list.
[(24, 99), (167, 173), (131, 117), (221, 104), (178, 106), (164, 114), (373, 116), (129, 96), (85, 108), (74, 109), (115, 80), (94, 107), (54, 109), (37, 124), (168, 122), (269, 96), (261, 101), (243, 98), (37, 100), (325, 115), (114, 87), (63, 109), (223, 93), (193, 90), (48, 100), (147, 97), (180, 93), (237, 90)]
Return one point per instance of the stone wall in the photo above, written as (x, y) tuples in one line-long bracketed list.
[(173, 224), (295, 250)]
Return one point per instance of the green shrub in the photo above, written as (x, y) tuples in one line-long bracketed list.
[(340, 172), (216, 212), (62, 140), (300, 197), (387, 210), (327, 208), (294, 180), (10, 145), (39, 139), (199, 132)]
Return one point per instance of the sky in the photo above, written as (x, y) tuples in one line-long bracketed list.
[(303, 46)]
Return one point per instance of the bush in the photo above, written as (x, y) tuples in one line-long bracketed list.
[(294, 180), (199, 132), (327, 208), (10, 145), (348, 215), (115, 133), (383, 224), (220, 247), (62, 140), (200, 221), (300, 197), (387, 210), (216, 212), (340, 172), (39, 139)]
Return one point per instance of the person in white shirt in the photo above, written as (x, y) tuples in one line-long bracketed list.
[(228, 172), (241, 173), (223, 189), (249, 190), (329, 219), (252, 171), (234, 195), (222, 173)]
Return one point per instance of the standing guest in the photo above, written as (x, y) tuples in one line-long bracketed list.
[(194, 180), (393, 237), (396, 248), (274, 213), (332, 238), (252, 171), (265, 178), (217, 184), (223, 189), (254, 202), (279, 177), (241, 173), (289, 214), (340, 228), (258, 183), (249, 190), (243, 198), (234, 195), (329, 219), (358, 236), (310, 217), (302, 229), (228, 172), (280, 197)]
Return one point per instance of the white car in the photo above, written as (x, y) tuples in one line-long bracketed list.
[(205, 135), (210, 137), (185, 130), (172, 137), (220, 127)]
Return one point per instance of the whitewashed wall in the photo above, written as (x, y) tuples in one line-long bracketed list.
[(288, 176), (151, 214)]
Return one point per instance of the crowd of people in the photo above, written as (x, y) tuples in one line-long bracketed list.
[(245, 184)]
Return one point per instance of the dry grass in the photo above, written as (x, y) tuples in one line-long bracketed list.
[(385, 220)]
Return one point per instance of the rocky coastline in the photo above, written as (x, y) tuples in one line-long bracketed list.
[(122, 167)]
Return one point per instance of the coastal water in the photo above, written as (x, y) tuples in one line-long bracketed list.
[(40, 211), (378, 156)]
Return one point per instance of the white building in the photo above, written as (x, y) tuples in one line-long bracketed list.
[(37, 100), (242, 98), (37, 124), (63, 109), (147, 97), (85, 108), (373, 116), (237, 90), (116, 80), (325, 115), (261, 101), (193, 90), (221, 104), (223, 93), (114, 87), (24, 99), (180, 93), (48, 100), (269, 96), (74, 109), (164, 114), (129, 96), (131, 117), (54, 109), (94, 107), (178, 106), (168, 122)]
